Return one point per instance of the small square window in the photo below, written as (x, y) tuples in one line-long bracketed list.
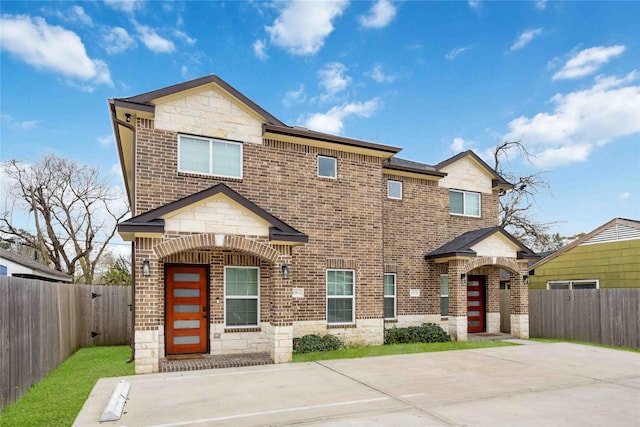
[(327, 167), (394, 190)]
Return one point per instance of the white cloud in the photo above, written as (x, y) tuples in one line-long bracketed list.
[(106, 140), (260, 49), (581, 121), (333, 79), (22, 125), (50, 47), (588, 61), (117, 40), (153, 41), (380, 77), (457, 51), (332, 120), (541, 4), (78, 14), (295, 96), (525, 38), (380, 15), (459, 145), (127, 6), (183, 36), (303, 26), (624, 196), (474, 4)]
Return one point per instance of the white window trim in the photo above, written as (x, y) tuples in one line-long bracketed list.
[(572, 282), (225, 297), (389, 189), (211, 141), (464, 203), (395, 299), (352, 297), (335, 162), (442, 296)]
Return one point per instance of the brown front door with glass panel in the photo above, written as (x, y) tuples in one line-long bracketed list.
[(187, 309), (475, 304)]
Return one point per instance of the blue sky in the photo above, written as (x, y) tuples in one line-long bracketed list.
[(432, 77)]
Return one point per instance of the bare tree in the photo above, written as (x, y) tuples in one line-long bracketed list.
[(75, 213), (517, 205)]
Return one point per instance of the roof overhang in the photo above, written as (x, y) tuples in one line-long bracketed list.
[(317, 139)]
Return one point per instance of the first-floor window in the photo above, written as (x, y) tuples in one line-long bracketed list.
[(574, 284), (444, 295), (341, 296), (389, 295), (242, 296)]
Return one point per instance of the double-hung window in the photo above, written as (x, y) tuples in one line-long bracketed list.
[(464, 202), (242, 296), (389, 295), (327, 167), (341, 296), (394, 190), (444, 295), (208, 156)]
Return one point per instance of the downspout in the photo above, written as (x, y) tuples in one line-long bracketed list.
[(132, 199)]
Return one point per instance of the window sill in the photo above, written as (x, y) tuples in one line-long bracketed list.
[(205, 176), (239, 330), (390, 320), (465, 216), (340, 325)]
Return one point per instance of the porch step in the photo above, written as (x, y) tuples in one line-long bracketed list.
[(208, 361)]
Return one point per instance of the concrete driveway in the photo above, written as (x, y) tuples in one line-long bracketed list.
[(534, 384)]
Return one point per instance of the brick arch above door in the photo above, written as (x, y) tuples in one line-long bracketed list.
[(198, 241)]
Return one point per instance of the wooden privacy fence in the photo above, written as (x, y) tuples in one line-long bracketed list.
[(43, 323), (602, 316)]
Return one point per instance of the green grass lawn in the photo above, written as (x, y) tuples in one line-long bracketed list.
[(387, 350), (58, 398)]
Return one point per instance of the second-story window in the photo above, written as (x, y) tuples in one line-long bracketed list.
[(394, 190), (210, 156), (464, 203), (327, 167)]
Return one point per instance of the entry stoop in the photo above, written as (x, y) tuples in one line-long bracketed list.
[(196, 362)]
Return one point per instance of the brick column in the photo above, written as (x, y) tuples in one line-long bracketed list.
[(148, 313), (457, 300), (281, 316), (520, 304), (493, 300)]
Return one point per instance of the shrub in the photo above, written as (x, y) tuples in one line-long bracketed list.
[(428, 332), (314, 342)]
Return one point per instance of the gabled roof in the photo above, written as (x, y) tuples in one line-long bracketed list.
[(461, 245), (632, 231), (152, 221), (145, 101), (39, 271), (497, 180)]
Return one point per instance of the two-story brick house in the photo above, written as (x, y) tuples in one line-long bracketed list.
[(247, 232)]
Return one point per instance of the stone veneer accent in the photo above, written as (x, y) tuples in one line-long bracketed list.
[(520, 325), (458, 328), (493, 322), (147, 351)]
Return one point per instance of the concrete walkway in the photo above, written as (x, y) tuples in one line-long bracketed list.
[(555, 384)]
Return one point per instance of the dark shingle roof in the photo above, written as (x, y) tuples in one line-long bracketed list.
[(461, 245)]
